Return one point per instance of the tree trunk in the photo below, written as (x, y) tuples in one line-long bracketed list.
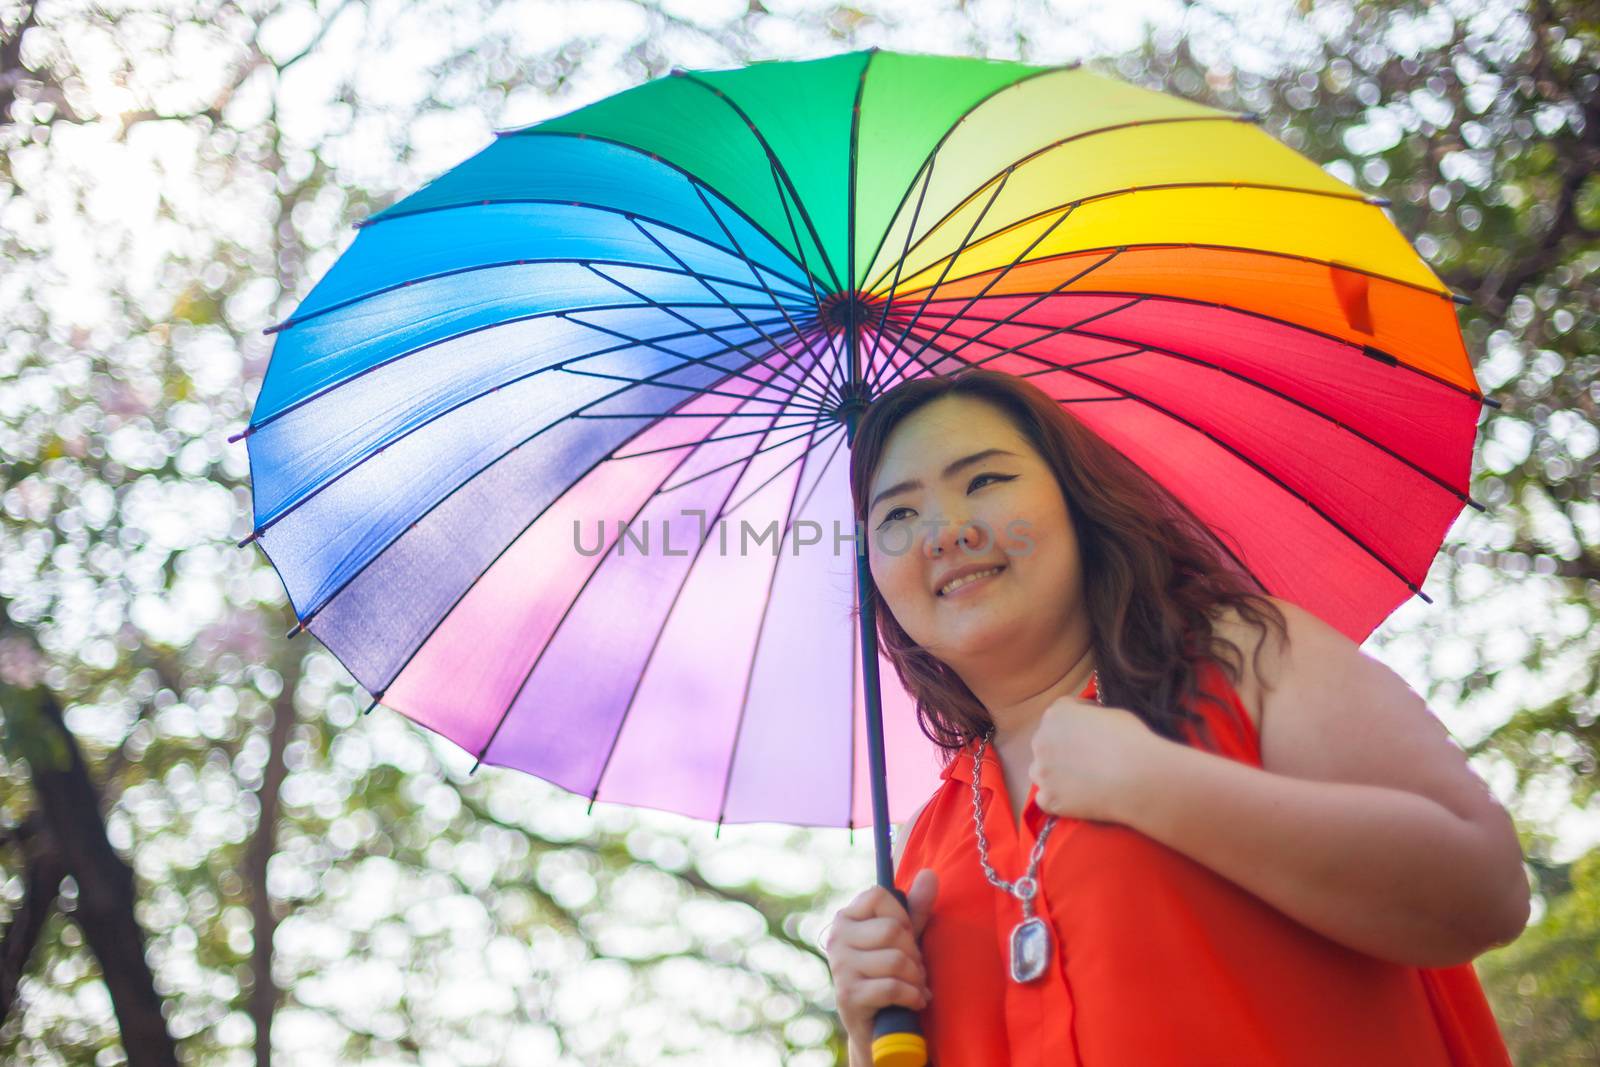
[(70, 805), (264, 993), (41, 884)]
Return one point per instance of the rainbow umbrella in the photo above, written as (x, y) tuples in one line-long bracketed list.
[(667, 309)]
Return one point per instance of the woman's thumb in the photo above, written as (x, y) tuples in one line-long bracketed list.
[(924, 888)]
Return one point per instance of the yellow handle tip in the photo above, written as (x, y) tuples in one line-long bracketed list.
[(899, 1050)]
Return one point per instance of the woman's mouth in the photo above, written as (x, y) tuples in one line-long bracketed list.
[(956, 585)]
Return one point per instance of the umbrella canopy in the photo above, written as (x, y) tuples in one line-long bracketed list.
[(665, 309)]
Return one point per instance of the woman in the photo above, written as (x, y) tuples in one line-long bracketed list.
[(1247, 843)]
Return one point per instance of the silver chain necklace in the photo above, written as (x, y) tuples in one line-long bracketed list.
[(1030, 939)]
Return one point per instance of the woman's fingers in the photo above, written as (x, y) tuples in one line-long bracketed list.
[(871, 994), (877, 933), (874, 901), (873, 954), (889, 963)]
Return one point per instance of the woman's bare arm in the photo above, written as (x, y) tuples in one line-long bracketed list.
[(1364, 823)]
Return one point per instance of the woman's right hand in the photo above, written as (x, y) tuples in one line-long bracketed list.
[(874, 956)]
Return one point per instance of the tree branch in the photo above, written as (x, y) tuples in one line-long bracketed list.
[(42, 878), (265, 996), (70, 806)]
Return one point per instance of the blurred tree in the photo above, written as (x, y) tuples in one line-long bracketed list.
[(173, 179), (68, 835)]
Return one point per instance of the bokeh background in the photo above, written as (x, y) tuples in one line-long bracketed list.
[(208, 855)]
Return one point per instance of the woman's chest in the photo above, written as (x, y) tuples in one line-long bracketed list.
[(1089, 874)]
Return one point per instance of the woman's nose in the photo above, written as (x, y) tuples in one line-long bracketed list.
[(946, 536)]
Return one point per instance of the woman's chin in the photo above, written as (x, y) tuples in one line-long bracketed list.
[(976, 633)]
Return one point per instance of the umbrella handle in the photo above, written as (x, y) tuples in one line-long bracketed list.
[(897, 1039)]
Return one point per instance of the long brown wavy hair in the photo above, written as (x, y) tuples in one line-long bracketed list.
[(1154, 575)]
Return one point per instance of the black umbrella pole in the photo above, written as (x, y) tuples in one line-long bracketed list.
[(897, 1039)]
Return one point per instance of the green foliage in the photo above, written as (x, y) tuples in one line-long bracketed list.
[(1546, 985)]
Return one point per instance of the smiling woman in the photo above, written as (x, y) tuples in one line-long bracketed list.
[(975, 472), (1266, 850)]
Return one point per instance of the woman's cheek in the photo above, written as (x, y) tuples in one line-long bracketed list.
[(894, 577)]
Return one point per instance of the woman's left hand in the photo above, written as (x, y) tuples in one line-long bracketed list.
[(1090, 761)]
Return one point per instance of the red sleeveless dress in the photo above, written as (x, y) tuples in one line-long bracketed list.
[(1158, 961)]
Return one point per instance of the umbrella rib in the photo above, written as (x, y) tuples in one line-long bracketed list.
[(378, 696), (606, 209), (1370, 351), (295, 320), (1330, 520), (783, 200), (1144, 246), (836, 427), (673, 415), (758, 488), (822, 400), (556, 313), (814, 370), (1205, 246), (1022, 161), (565, 613), (888, 363), (644, 668), (927, 162), (814, 485), (650, 656), (804, 421), (761, 626), (664, 489), (777, 164), (1016, 349), (850, 187), (782, 309), (974, 229), (852, 337), (562, 366), (1009, 316), (1247, 379), (304, 619), (1020, 257), (888, 307), (654, 378), (742, 349), (688, 388), (1243, 116), (815, 296), (384, 216), (1076, 370)]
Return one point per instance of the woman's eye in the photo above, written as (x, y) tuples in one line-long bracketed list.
[(976, 481)]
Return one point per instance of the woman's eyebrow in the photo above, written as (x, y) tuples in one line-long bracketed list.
[(964, 461)]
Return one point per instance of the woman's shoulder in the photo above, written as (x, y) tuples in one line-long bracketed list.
[(903, 831), (1258, 650)]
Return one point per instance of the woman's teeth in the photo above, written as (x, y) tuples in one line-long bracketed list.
[(968, 580)]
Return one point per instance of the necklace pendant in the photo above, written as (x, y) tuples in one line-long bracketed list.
[(1030, 949)]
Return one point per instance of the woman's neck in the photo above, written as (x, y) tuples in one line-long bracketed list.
[(1016, 720)]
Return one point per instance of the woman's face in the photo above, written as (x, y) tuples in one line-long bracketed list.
[(1018, 523)]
